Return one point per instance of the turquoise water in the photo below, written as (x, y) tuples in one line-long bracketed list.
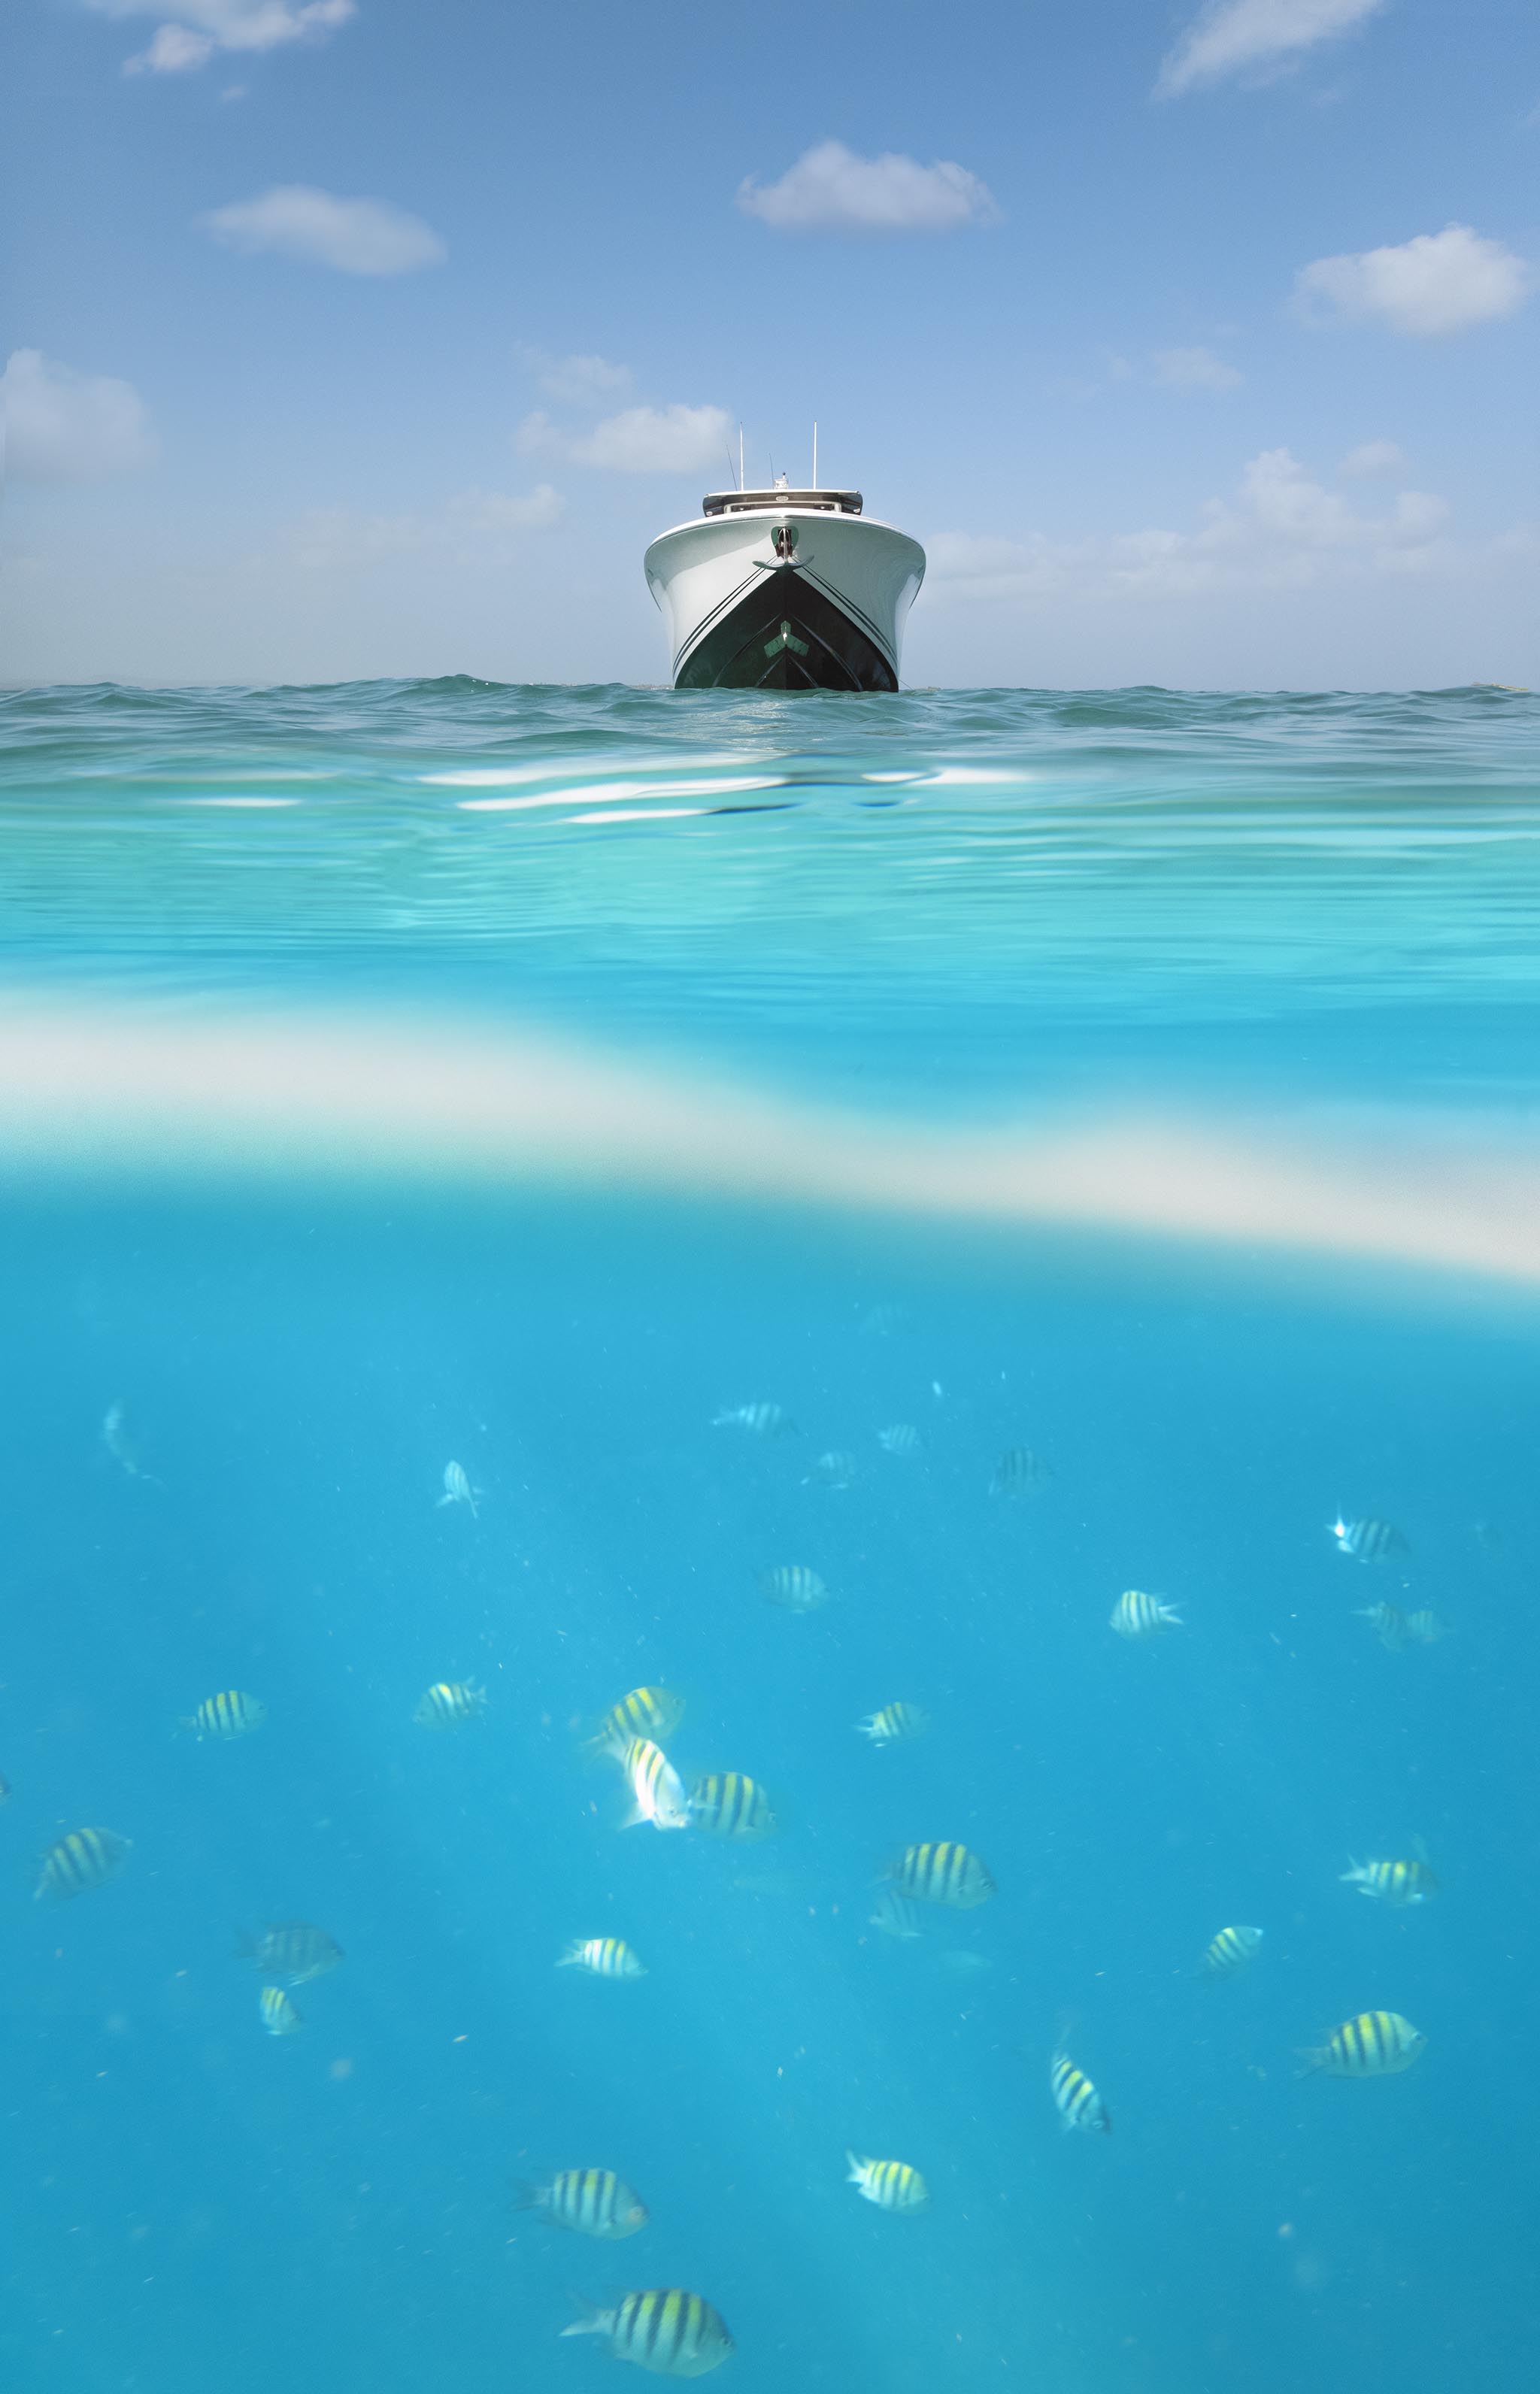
[(414, 1074)]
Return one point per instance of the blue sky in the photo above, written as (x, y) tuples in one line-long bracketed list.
[(1197, 343)]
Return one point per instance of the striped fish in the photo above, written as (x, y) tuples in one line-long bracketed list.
[(457, 1488), (793, 1587), (892, 2186), (1371, 1541), (449, 1704), (756, 1421), (591, 2202), (1424, 1626), (1138, 1616), (1230, 1951), (1019, 1473), (729, 1805), (666, 2330), (295, 1950), (605, 1957), (87, 1858), (657, 1791), (836, 1470), (227, 1715), (895, 1915), (1398, 1884), (280, 2017), (902, 1437), (1079, 2104), (894, 1723), (1389, 1624), (943, 1873), (1374, 2044), (645, 1712)]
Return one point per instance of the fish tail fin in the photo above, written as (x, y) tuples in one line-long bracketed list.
[(527, 2197), (573, 1954), (1311, 2059), (856, 2168), (441, 1503), (593, 2319), (633, 1817)]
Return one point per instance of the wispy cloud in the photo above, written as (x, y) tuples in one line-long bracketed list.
[(1437, 283), (63, 427), (1372, 458), (350, 540), (1283, 529), (580, 381), (638, 441), (194, 31), (1195, 370), (356, 236), (1231, 36), (830, 190)]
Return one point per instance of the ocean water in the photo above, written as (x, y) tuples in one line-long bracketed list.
[(416, 1073)]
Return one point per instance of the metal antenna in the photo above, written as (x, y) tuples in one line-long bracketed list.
[(728, 454)]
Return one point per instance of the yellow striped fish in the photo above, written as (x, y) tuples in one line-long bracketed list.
[(1019, 1473), (895, 1915), (1374, 2044), (666, 2330), (902, 1437), (758, 1421), (591, 2202), (605, 1957), (227, 1715), (793, 1587), (1424, 1626), (1138, 1616), (280, 2017), (894, 1723), (1079, 2104), (295, 1950), (1397, 1884), (1230, 1951), (87, 1858), (449, 1704), (729, 1805), (943, 1873), (892, 2186), (1387, 1623), (646, 1712), (1370, 1541), (657, 1791)]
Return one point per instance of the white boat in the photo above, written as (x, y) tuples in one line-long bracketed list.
[(783, 589)]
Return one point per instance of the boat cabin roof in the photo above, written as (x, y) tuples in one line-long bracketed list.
[(732, 502)]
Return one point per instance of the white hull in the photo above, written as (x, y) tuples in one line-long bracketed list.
[(770, 596)]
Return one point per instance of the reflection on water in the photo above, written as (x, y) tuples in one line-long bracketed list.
[(884, 1252)]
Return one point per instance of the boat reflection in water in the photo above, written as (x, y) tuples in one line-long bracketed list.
[(783, 589)]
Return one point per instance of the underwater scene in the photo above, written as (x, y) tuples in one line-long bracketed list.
[(772, 1526)]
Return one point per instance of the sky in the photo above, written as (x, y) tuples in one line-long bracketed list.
[(1197, 343)]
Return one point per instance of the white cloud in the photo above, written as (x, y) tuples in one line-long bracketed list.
[(1373, 457), (581, 381), (830, 190), (356, 236), (1438, 283), (1283, 529), (1231, 35), (195, 29), (64, 427), (638, 441), (346, 540), (1195, 370)]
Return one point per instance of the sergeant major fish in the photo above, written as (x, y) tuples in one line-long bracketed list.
[(1372, 2044), (892, 2186), (458, 1489), (901, 1438), (793, 1587), (591, 2202), (729, 1805), (657, 1791), (449, 1704), (295, 1950), (664, 2329), (1078, 2103), (944, 1874), (602, 1957), (85, 1859), (756, 1421), (895, 1916), (230, 1714), (280, 2017), (1399, 1884), (895, 1724), (1137, 1615), (1230, 1950), (836, 1469), (1387, 1623), (1019, 1473), (1368, 1541)]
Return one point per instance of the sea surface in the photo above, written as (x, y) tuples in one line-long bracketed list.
[(637, 1099)]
